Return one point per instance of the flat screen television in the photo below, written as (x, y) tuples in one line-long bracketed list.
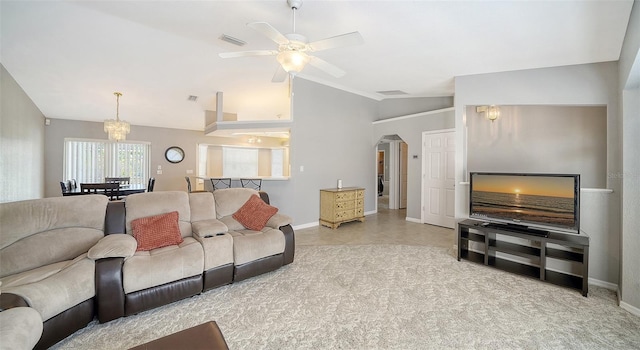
[(544, 201)]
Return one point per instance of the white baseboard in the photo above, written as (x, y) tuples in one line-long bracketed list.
[(370, 212), (632, 309), (417, 221), (603, 284), (301, 226)]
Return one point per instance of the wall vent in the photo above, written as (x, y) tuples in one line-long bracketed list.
[(232, 40), (192, 98)]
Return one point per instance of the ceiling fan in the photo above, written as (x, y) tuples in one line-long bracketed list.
[(293, 49)]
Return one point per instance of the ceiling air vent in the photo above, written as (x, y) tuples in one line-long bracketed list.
[(392, 92), (192, 98), (232, 40)]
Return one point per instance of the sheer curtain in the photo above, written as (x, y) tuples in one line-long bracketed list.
[(92, 160)]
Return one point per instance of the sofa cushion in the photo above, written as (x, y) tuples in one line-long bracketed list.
[(229, 200), (251, 245), (255, 213), (153, 232), (202, 205), (146, 269), (154, 203), (44, 231), (70, 286)]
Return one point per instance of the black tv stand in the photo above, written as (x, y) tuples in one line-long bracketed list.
[(516, 228), (492, 247)]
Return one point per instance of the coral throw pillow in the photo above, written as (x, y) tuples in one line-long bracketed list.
[(255, 213), (156, 231)]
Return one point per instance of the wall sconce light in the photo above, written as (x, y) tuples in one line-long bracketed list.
[(491, 112)]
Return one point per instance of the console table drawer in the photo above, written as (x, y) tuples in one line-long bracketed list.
[(345, 205)]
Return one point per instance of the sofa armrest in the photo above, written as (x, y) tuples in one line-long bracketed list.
[(218, 249), (21, 328), (289, 245), (208, 228), (110, 296), (278, 220), (113, 246)]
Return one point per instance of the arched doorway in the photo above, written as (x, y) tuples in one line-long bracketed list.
[(391, 165)]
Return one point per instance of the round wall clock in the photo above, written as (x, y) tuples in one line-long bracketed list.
[(174, 154)]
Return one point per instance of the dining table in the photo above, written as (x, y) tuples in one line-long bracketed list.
[(124, 190)]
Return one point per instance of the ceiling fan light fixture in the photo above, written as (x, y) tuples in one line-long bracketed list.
[(292, 61)]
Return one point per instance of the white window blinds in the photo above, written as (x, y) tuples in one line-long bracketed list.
[(239, 162), (89, 161)]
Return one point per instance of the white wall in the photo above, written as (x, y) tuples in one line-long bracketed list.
[(21, 143), (579, 85)]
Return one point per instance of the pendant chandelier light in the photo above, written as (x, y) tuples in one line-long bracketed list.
[(116, 128)]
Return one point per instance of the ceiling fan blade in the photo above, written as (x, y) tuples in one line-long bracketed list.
[(270, 32), (326, 66), (280, 75), (349, 39), (248, 53)]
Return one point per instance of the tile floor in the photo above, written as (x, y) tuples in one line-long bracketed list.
[(385, 227)]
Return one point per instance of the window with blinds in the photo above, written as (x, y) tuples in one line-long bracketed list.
[(90, 161), (239, 162)]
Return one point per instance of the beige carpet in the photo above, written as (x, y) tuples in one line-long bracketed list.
[(384, 297)]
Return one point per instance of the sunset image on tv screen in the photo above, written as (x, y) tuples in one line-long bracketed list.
[(538, 199)]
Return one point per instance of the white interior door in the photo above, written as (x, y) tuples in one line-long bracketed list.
[(438, 178)]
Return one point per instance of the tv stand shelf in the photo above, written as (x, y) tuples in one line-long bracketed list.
[(572, 248)]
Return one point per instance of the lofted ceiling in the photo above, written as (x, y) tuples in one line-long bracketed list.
[(70, 57)]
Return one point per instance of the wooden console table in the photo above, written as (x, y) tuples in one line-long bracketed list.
[(538, 248), (339, 205)]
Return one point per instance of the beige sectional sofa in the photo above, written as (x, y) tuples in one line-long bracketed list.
[(87, 263)]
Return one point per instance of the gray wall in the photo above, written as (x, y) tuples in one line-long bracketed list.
[(410, 130), (172, 177), (397, 107), (331, 139), (22, 143), (630, 96), (580, 85), (522, 139)]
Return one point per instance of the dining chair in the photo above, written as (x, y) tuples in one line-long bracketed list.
[(120, 180), (218, 183), (256, 184), (188, 184), (63, 187), (152, 182), (109, 189)]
